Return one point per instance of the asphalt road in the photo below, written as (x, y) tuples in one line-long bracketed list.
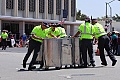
[(11, 69)]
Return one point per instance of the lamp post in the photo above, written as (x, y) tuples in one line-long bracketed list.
[(108, 3), (110, 21)]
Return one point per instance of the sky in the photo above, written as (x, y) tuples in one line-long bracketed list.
[(97, 8)]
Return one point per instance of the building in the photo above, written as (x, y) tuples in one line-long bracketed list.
[(20, 16)]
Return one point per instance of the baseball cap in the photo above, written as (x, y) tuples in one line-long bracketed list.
[(4, 30), (94, 20), (52, 25), (45, 24), (87, 19)]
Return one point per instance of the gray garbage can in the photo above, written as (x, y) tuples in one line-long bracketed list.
[(75, 51), (52, 53), (66, 52)]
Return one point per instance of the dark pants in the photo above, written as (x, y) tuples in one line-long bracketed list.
[(4, 44), (115, 48), (104, 42), (87, 45), (80, 52), (33, 45)]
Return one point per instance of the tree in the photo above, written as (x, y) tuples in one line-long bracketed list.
[(83, 16), (80, 16), (116, 17), (99, 19)]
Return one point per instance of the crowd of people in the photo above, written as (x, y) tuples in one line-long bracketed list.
[(8, 40), (115, 42)]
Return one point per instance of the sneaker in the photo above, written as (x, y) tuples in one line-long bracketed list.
[(32, 67), (105, 64), (114, 62), (93, 64), (41, 64), (37, 62)]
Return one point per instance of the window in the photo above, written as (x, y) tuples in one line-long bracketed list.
[(41, 6), (21, 4), (32, 5), (66, 5), (50, 6), (9, 4), (58, 7), (73, 8)]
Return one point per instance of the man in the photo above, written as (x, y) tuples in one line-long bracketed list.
[(61, 28), (103, 42), (37, 36), (53, 31), (86, 29), (4, 37)]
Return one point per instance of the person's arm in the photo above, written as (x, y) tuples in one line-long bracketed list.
[(36, 37), (79, 31), (58, 36), (77, 34), (52, 35)]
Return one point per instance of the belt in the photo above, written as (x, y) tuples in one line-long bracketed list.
[(87, 39)]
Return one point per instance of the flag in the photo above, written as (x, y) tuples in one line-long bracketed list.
[(62, 21)]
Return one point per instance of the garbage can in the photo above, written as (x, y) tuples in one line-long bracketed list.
[(40, 58), (52, 53), (75, 51), (66, 52)]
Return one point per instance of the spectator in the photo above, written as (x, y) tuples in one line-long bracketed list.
[(114, 43), (24, 38), (106, 28), (118, 45), (12, 41)]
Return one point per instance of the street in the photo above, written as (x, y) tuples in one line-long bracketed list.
[(11, 69)]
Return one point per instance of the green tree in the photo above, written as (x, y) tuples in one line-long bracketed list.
[(80, 16), (116, 17), (83, 16)]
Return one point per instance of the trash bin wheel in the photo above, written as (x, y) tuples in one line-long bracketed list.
[(71, 66), (46, 68), (66, 67), (58, 68)]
